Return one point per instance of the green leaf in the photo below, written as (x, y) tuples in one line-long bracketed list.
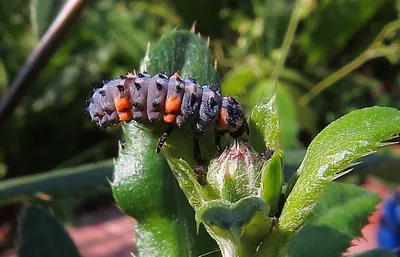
[(339, 216), (41, 235), (145, 189), (56, 181), (139, 176), (237, 227), (334, 150), (286, 106), (379, 165), (349, 138), (271, 182), (183, 52), (230, 216), (264, 125)]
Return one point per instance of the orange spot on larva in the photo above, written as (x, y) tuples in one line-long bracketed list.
[(222, 123), (169, 118), (176, 75), (121, 103), (173, 104), (125, 116)]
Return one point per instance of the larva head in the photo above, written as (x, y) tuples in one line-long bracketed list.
[(209, 108), (231, 117), (106, 101), (94, 109)]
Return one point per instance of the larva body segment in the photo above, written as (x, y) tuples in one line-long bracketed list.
[(157, 92), (176, 101), (138, 89), (190, 102)]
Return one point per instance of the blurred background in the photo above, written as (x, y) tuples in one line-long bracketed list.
[(51, 154)]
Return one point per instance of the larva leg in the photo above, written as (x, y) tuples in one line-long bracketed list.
[(201, 172), (218, 136), (196, 148), (163, 138), (200, 168)]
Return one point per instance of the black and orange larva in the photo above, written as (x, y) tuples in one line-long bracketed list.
[(176, 101)]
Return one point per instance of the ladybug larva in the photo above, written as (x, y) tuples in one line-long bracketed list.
[(173, 100)]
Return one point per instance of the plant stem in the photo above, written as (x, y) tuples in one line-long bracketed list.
[(333, 78), (273, 244), (375, 49), (287, 41)]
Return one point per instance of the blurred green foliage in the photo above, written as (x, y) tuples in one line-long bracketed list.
[(328, 34), (50, 129)]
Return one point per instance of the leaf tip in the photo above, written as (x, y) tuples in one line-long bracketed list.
[(193, 27), (198, 222), (146, 60), (275, 89)]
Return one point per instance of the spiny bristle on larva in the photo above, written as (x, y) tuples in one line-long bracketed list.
[(130, 75), (176, 76)]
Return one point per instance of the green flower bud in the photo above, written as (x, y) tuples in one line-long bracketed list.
[(235, 174)]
